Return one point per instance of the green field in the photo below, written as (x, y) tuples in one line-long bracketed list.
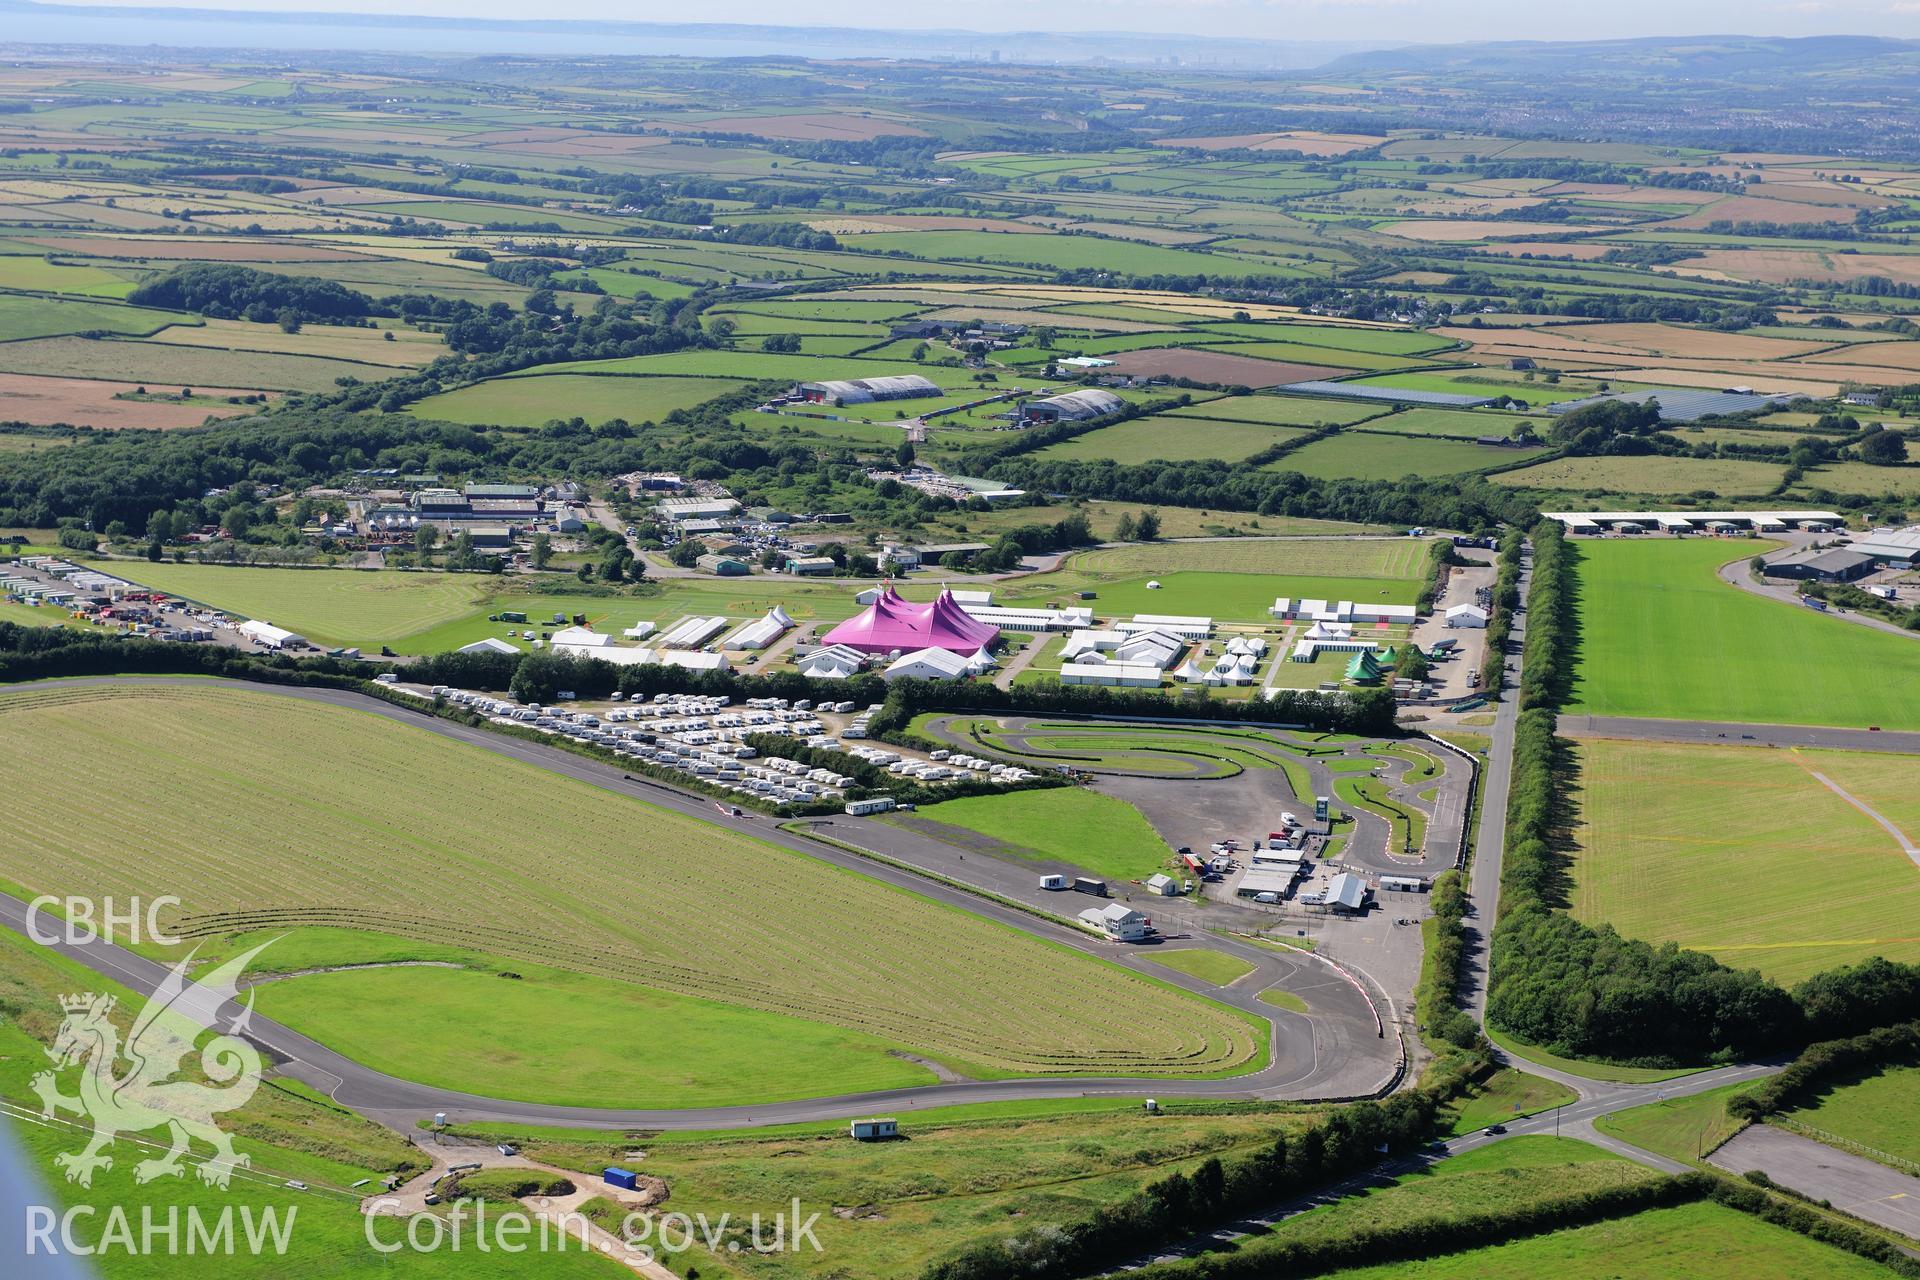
[(1458, 424), (1055, 253), (1879, 1112), (168, 364), (285, 1129), (1170, 439), (1687, 1129), (1384, 558), (1501, 1176), (26, 317), (327, 606), (554, 873), (1216, 967), (476, 1031), (531, 402), (1662, 637), (1701, 1241), (1505, 1095), (1649, 474), (1084, 828), (1711, 847), (1294, 411), (1362, 455)]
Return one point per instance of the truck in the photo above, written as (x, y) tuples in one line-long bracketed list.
[(1053, 882), (1088, 884), (1814, 602)]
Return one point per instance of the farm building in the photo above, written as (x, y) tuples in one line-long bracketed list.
[(892, 624), (1838, 564), (1073, 406), (1895, 546), (905, 386), (1467, 615), (267, 635), (1117, 921), (811, 566), (723, 566)]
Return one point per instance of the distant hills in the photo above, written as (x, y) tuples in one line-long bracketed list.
[(1704, 57), (28, 22)]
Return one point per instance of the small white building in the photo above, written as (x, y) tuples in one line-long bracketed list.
[(1117, 921), (1467, 615), (1164, 885), (1347, 893)]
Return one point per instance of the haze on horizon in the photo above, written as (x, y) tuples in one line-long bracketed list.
[(1372, 21)]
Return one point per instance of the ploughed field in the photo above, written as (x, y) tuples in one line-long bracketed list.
[(264, 812)]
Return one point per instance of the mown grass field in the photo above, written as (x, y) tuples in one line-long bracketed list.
[(1074, 825), (1730, 477), (327, 606), (1879, 1111), (1385, 558), (1725, 849), (551, 872), (1170, 439), (1661, 636), (1295, 411), (531, 402), (1216, 967), (1701, 1241), (478, 1031), (1359, 455)]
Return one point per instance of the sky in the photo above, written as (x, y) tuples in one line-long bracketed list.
[(1373, 21)]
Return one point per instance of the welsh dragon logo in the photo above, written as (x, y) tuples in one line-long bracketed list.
[(145, 1083)]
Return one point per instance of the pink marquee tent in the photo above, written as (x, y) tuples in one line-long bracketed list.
[(892, 622)]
